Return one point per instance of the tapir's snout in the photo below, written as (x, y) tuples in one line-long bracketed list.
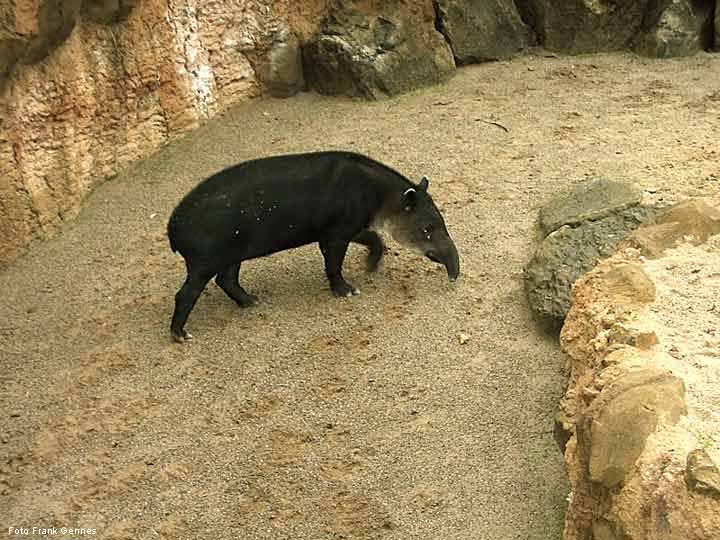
[(446, 254)]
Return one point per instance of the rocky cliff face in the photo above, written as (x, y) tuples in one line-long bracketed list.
[(87, 88)]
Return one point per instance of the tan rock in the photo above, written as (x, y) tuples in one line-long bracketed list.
[(623, 416), (692, 221), (604, 301), (643, 389), (656, 502), (89, 92), (702, 474), (625, 283)]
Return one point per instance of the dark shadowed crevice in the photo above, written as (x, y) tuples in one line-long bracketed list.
[(440, 24), (709, 40), (529, 14)]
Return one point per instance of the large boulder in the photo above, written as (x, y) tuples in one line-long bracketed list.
[(373, 56), (582, 227), (481, 30), (584, 26), (676, 28)]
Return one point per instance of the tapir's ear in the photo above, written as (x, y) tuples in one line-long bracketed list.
[(424, 182), (409, 199)]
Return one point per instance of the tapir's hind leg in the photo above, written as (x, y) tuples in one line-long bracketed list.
[(374, 243), (227, 280), (185, 300)]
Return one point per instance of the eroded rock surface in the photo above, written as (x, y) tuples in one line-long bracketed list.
[(91, 87), (638, 425), (371, 55), (483, 30), (676, 28), (582, 227)]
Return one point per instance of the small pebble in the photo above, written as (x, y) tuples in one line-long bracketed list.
[(463, 338)]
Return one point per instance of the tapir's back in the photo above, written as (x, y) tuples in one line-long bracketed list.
[(274, 203)]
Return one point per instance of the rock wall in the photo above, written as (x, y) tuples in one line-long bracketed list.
[(87, 88), (661, 28), (639, 423)]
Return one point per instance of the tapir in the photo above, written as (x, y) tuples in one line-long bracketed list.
[(272, 204)]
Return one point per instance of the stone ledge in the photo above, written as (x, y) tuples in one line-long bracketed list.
[(639, 423)]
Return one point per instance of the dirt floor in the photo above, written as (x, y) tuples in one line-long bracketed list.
[(310, 417)]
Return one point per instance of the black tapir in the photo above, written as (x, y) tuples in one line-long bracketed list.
[(268, 205)]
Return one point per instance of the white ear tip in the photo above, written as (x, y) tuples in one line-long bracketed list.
[(425, 177), (408, 191)]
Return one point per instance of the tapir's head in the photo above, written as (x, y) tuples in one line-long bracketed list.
[(415, 222)]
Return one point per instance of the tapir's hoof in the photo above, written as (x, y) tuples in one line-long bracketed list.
[(181, 337), (345, 290), (249, 300)]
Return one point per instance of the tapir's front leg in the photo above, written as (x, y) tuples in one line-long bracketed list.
[(334, 250), (374, 243)]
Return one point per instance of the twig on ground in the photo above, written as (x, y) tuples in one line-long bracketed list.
[(491, 122)]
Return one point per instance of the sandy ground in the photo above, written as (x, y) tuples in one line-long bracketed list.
[(310, 417), (685, 317)]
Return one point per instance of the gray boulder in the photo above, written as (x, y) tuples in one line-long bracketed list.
[(584, 26), (481, 30), (587, 202), (581, 228), (676, 28), (375, 56)]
